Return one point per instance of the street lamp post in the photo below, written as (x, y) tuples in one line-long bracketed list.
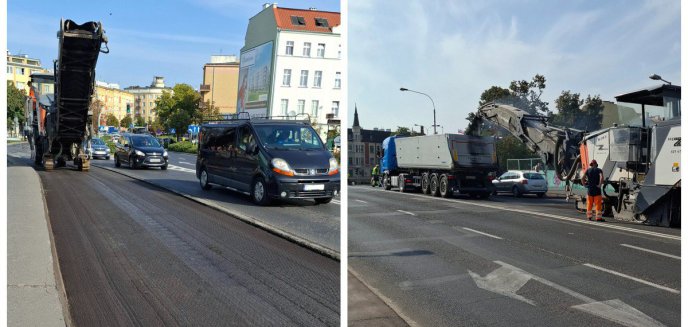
[(422, 128), (434, 121), (659, 78)]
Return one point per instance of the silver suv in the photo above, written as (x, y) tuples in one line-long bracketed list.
[(521, 182)]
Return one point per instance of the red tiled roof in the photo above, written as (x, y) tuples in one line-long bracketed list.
[(283, 19)]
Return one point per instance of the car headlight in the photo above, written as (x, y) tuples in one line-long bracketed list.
[(107, 150), (164, 154), (139, 153), (334, 167), (281, 167)]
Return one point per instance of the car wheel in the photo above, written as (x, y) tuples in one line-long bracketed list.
[(445, 192), (132, 163), (117, 163), (107, 158), (516, 192), (434, 186), (259, 192), (203, 179), (323, 200), (163, 167)]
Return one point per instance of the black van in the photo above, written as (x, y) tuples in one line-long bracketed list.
[(267, 159)]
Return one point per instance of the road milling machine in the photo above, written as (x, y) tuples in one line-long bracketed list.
[(58, 120), (640, 154)]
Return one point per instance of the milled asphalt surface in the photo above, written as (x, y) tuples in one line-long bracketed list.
[(134, 254), (315, 225), (417, 252)]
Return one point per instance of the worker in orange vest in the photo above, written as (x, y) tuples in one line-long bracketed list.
[(593, 179)]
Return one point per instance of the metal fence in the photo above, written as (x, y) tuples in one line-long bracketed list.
[(526, 164)]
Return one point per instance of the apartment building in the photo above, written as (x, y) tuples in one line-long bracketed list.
[(220, 83), (113, 101), (19, 69), (145, 96)]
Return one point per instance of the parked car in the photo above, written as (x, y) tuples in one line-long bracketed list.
[(267, 159), (521, 182), (99, 149), (140, 150)]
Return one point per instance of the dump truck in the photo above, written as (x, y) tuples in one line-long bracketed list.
[(440, 164), (640, 157), (58, 121)]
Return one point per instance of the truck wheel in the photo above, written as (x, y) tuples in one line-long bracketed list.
[(445, 192), (386, 182), (402, 184), (425, 184), (372, 182), (434, 185), (516, 192)]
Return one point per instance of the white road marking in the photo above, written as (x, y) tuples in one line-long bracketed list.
[(187, 163), (406, 212), (619, 312), (479, 232), (670, 290), (652, 251), (177, 168), (336, 202), (361, 201), (536, 213)]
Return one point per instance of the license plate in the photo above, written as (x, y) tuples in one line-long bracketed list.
[(154, 160), (314, 187)]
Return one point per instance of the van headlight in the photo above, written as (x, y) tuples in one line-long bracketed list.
[(334, 167), (139, 153), (164, 154), (281, 167)]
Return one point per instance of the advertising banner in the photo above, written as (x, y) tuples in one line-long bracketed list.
[(255, 74)]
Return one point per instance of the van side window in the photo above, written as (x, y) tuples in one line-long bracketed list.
[(246, 138), (225, 141)]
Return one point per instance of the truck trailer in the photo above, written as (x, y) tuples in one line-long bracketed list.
[(440, 164)]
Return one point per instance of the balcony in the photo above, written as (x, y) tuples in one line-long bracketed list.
[(205, 88)]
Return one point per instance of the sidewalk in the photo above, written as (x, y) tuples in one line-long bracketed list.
[(32, 295)]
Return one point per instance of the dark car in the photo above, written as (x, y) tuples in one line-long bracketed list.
[(99, 149), (521, 182), (140, 150), (267, 159)]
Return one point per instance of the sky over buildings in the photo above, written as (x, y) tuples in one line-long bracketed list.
[(454, 50), (146, 38)]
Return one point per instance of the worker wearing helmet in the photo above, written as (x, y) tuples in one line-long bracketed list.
[(593, 179)]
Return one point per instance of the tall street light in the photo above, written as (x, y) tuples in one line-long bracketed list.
[(434, 121), (659, 78)]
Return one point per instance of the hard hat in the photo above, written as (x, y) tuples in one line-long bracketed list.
[(593, 162)]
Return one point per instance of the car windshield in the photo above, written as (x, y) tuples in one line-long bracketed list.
[(97, 142), (533, 176), (289, 137), (145, 141)]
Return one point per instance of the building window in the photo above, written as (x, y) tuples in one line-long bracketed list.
[(298, 20), (21, 71), (150, 104), (317, 80), (335, 108), (285, 106), (337, 80), (304, 78), (314, 108), (302, 106), (372, 148), (321, 22), (144, 104), (20, 85), (307, 49), (321, 50), (286, 79), (9, 70), (290, 48)]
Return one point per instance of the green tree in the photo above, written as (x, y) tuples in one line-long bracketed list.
[(96, 108), (15, 104), (510, 147), (112, 120), (126, 121), (402, 131), (568, 109), (139, 121), (593, 113), (494, 94), (179, 109)]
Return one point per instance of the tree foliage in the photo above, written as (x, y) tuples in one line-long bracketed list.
[(179, 109), (96, 108), (15, 104), (139, 121), (126, 121), (510, 147), (112, 120), (577, 113)]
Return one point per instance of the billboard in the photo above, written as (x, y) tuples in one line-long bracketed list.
[(255, 74)]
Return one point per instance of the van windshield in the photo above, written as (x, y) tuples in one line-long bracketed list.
[(288, 137)]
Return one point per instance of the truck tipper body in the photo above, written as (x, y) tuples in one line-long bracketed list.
[(440, 165)]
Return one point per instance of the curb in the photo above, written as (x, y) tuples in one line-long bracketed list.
[(384, 299), (250, 220)]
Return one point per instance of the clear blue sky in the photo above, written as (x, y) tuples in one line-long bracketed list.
[(146, 38), (454, 50)]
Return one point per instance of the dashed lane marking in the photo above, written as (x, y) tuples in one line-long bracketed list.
[(406, 212), (482, 233), (642, 281), (652, 251)]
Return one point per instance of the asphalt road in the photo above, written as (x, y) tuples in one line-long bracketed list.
[(511, 262), (132, 254), (319, 224)]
